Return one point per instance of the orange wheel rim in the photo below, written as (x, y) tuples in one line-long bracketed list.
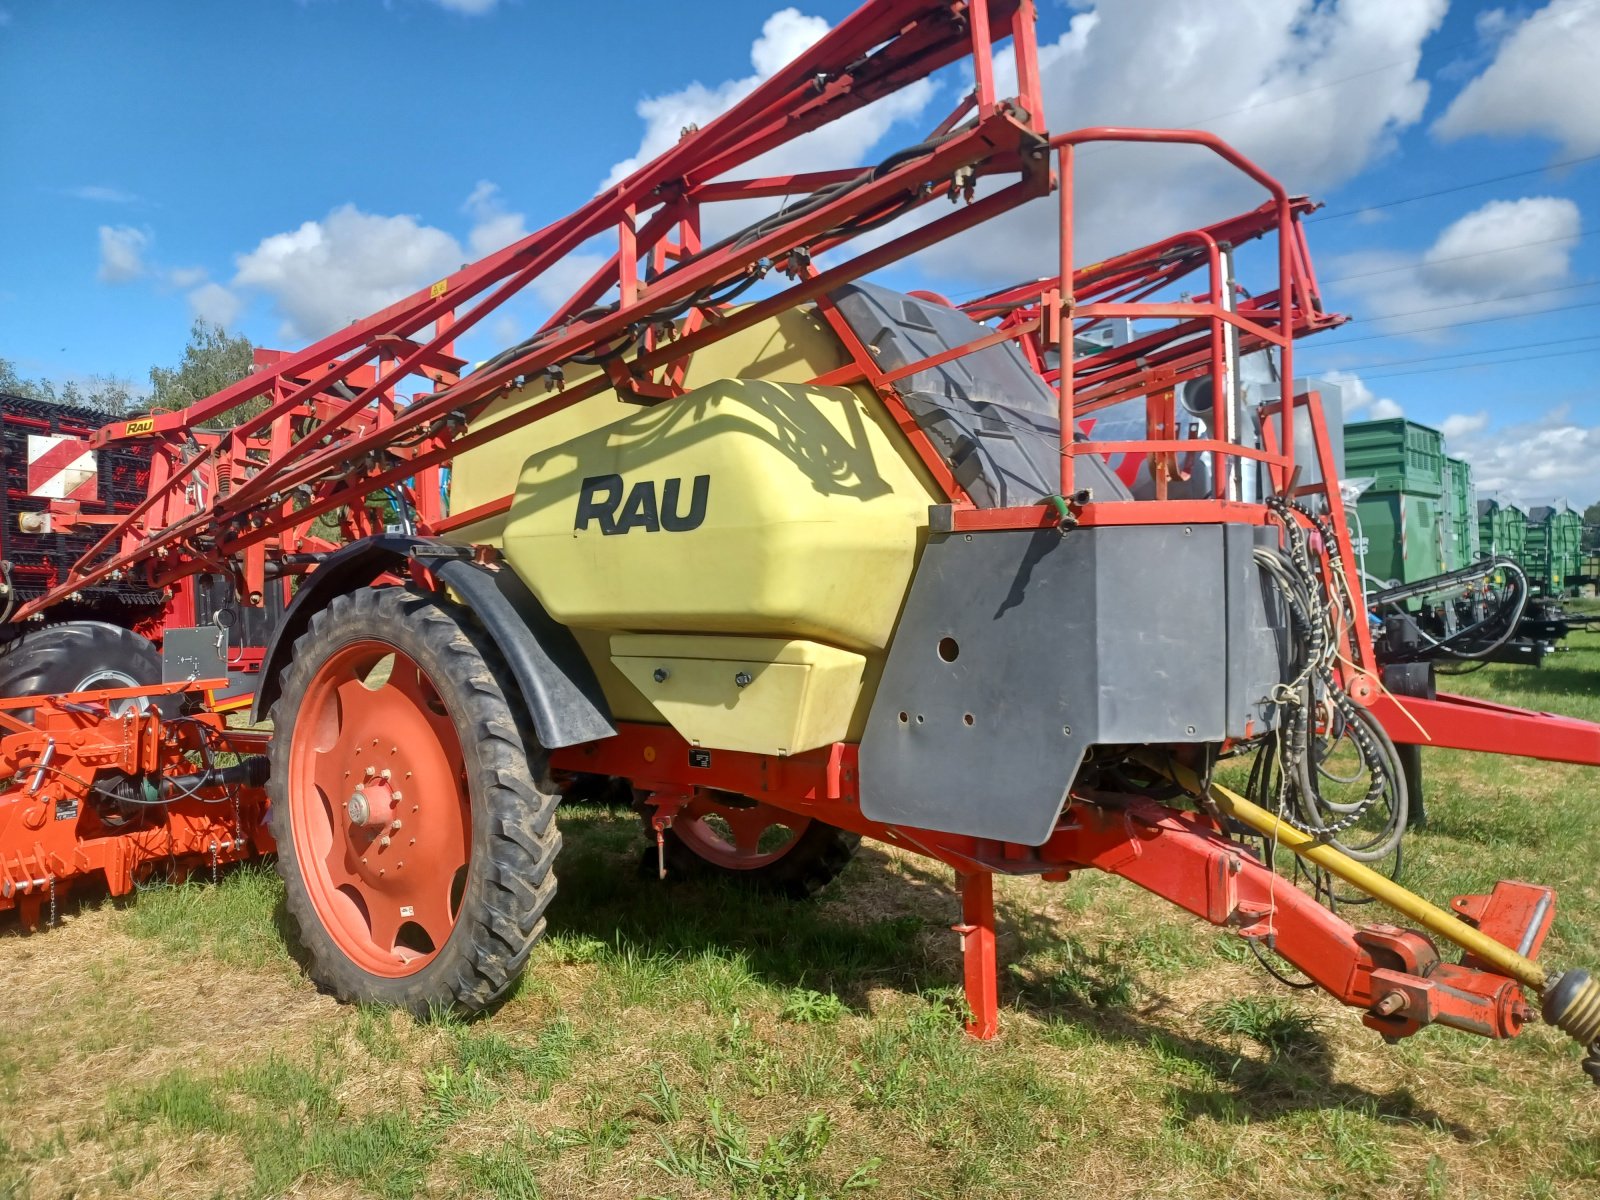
[(735, 832), (379, 810)]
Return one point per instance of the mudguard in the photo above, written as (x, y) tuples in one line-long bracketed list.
[(558, 686)]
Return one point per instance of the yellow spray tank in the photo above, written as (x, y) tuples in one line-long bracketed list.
[(732, 561)]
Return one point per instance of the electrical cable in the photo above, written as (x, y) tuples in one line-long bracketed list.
[(1505, 362), (1338, 344), (1460, 187), (1506, 249), (1403, 362), (1314, 687)]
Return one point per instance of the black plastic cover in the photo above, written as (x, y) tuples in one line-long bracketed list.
[(991, 417)]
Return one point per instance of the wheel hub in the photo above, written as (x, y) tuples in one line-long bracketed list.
[(383, 867), (736, 832)]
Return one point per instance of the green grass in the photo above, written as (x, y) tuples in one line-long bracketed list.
[(689, 1040)]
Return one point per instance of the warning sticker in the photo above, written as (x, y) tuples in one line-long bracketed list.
[(61, 468)]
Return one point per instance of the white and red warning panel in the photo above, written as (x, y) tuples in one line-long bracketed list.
[(62, 468)]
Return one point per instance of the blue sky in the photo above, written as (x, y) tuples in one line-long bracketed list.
[(172, 157)]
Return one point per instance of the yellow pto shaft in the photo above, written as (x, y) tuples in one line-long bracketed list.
[(1571, 1000)]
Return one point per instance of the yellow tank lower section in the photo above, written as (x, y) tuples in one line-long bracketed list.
[(761, 695)]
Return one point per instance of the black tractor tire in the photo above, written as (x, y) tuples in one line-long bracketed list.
[(813, 861), (78, 656), (513, 840)]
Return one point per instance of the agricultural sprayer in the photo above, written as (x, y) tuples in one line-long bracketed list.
[(801, 559)]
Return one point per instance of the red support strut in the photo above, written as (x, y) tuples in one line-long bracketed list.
[(977, 954)]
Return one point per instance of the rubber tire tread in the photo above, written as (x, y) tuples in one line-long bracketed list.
[(514, 836), (813, 861), (56, 658)]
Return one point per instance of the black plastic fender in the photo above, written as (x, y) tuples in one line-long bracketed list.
[(558, 686)]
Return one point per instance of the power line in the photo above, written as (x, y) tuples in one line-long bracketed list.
[(1417, 312), (1507, 362), (1458, 257), (1460, 187), (1320, 345), (1402, 362)]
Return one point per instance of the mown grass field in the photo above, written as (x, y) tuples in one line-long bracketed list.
[(688, 1041)]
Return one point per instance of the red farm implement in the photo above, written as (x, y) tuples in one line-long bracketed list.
[(802, 559)]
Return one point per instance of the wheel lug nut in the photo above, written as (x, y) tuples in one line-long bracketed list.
[(395, 824), (384, 773), (371, 771), (383, 842), (398, 796)]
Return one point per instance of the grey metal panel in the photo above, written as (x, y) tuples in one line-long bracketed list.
[(1105, 635), (989, 414), (194, 654)]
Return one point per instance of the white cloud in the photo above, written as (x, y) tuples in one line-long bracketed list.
[(492, 226), (1361, 403), (215, 303), (350, 264), (1312, 91), (1493, 23), (1542, 80), (784, 36), (1546, 458), (1462, 425), (471, 8), (186, 277), (122, 250), (1484, 264), (99, 194)]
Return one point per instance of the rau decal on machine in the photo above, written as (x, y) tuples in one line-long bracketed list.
[(602, 501)]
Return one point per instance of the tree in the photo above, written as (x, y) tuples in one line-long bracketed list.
[(1591, 527), (13, 384), (108, 394), (212, 360)]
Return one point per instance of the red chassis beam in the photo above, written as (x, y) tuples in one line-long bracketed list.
[(1395, 976), (1452, 722)]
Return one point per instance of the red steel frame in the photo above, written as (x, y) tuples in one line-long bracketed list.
[(52, 833), (328, 426)]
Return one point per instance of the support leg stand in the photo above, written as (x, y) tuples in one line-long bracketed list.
[(977, 953)]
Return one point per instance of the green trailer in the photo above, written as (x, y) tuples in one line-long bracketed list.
[(1399, 455), (1460, 515), (1552, 552), (1398, 537), (1502, 530), (1405, 530)]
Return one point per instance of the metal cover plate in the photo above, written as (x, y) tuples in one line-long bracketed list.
[(1020, 649)]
